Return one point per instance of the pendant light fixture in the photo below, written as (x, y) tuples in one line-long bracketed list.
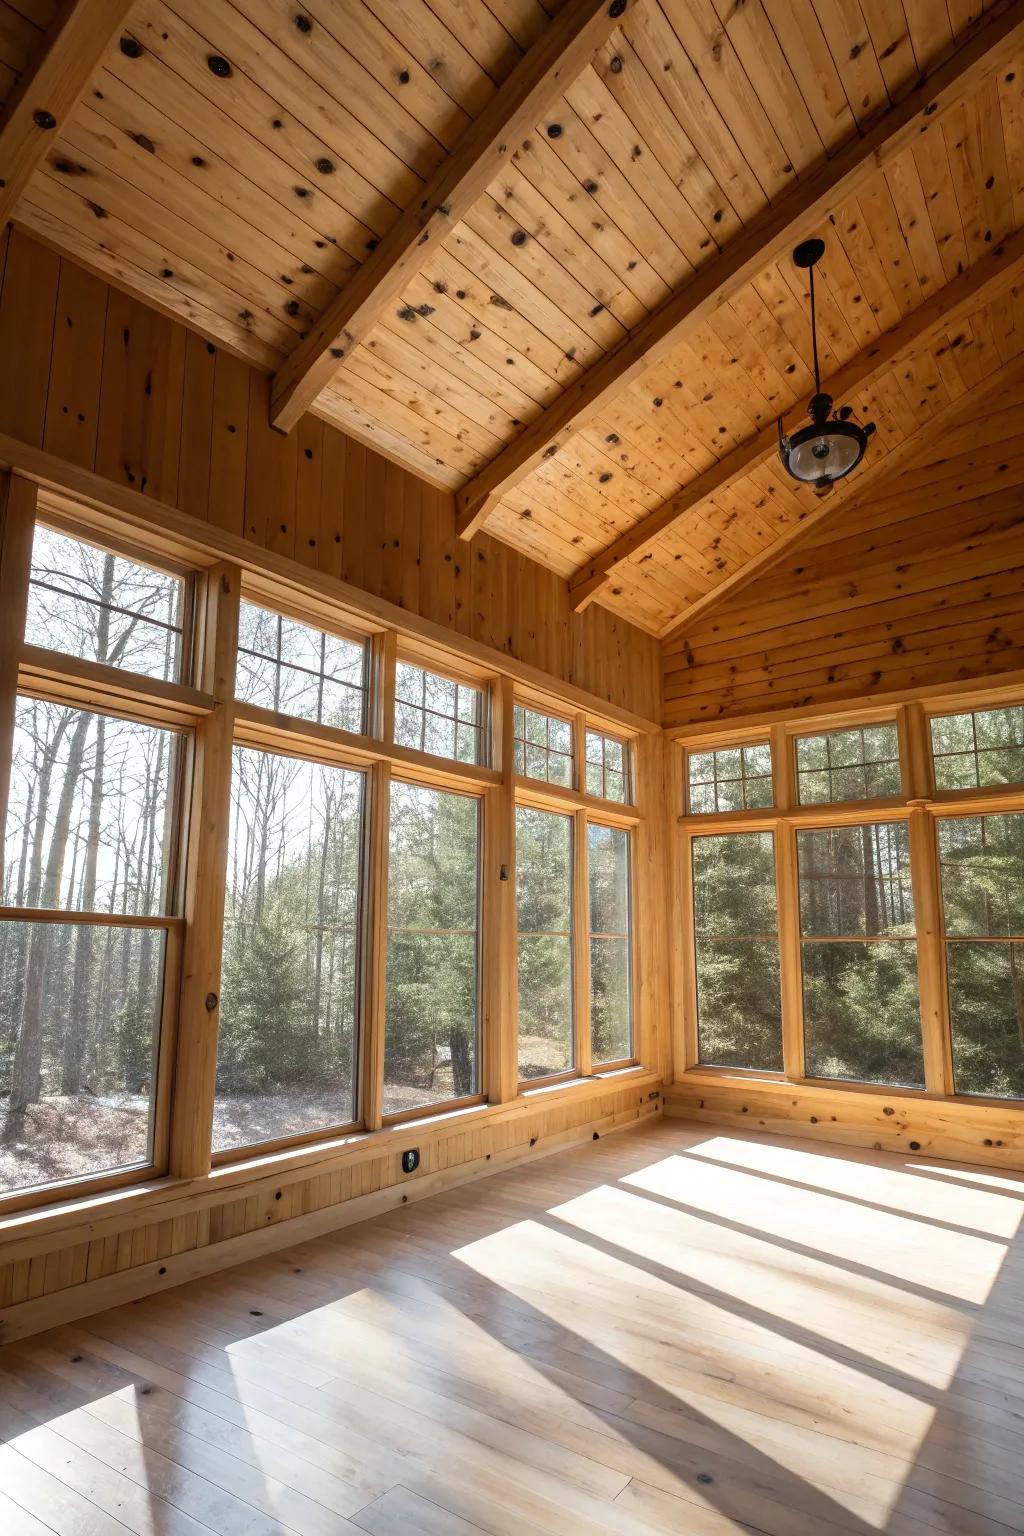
[(831, 446)]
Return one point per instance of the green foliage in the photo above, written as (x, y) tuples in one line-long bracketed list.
[(735, 918)]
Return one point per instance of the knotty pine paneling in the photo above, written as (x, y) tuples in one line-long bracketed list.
[(47, 1281), (921, 584), (112, 385), (991, 1135)]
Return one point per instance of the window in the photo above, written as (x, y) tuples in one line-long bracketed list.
[(543, 746), (739, 1010), (861, 763), (859, 952), (432, 1009), (730, 779), (437, 714), (287, 1047), (295, 670), (975, 751), (611, 961), (89, 845), (981, 859), (608, 768), (544, 911), (99, 606)]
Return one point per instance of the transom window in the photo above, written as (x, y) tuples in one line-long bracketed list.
[(608, 772), (730, 779), (859, 763), (437, 714), (294, 669), (974, 751), (99, 606), (543, 746)]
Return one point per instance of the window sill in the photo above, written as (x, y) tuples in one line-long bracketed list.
[(89, 1218)]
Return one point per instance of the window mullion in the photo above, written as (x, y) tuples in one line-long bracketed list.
[(499, 959), (19, 513), (383, 661), (581, 946), (915, 752), (375, 964), (788, 899), (931, 953), (191, 1129)]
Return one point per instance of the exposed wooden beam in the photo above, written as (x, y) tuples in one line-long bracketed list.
[(892, 462), (993, 275), (763, 242), (48, 93), (560, 55)]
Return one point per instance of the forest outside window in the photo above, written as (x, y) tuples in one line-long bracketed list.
[(294, 669), (976, 751), (611, 958), (544, 911), (543, 746), (739, 1010), (438, 714), (981, 860), (99, 606), (859, 763), (730, 779), (287, 1051), (89, 846), (431, 1034), (608, 768), (859, 953)]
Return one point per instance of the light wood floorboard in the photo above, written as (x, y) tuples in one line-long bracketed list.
[(680, 1330)]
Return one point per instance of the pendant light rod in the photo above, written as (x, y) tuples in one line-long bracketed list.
[(831, 446), (806, 256)]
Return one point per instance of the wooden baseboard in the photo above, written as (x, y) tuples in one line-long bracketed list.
[(80, 1300), (963, 1131)]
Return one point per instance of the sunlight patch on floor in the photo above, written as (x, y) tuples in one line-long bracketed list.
[(929, 1258)]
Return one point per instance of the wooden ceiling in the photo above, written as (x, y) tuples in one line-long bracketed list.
[(541, 254)]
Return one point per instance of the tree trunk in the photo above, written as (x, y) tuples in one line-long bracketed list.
[(462, 1067), (27, 1068)]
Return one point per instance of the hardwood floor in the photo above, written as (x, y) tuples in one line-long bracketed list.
[(673, 1330)]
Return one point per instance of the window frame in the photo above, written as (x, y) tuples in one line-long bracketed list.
[(256, 598), (218, 573), (753, 738), (425, 1111), (484, 726), (627, 764), (615, 1064), (920, 805), (100, 688), (225, 1156)]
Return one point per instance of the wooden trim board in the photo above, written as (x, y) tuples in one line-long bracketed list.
[(967, 1130)]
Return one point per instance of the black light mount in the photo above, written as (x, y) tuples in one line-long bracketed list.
[(832, 446)]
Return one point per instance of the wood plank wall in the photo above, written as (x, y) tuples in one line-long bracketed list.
[(113, 386), (45, 1281), (920, 585)]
